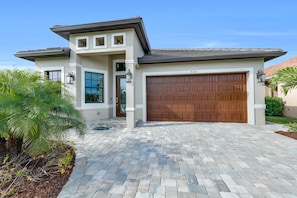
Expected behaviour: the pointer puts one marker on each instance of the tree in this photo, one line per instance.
(287, 77)
(34, 110)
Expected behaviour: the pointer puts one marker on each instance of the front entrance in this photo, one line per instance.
(121, 96)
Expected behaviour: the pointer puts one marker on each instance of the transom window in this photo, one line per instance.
(94, 87)
(118, 39)
(100, 41)
(53, 75)
(120, 67)
(82, 42)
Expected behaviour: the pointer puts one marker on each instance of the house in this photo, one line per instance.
(115, 73)
(290, 99)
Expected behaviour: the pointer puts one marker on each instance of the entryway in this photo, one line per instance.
(121, 96)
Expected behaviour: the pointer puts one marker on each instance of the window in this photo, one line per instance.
(100, 41)
(120, 67)
(82, 42)
(118, 40)
(94, 87)
(53, 75)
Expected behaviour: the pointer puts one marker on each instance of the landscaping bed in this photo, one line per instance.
(36, 176)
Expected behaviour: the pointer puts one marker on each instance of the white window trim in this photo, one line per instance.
(87, 42)
(93, 105)
(250, 86)
(116, 73)
(99, 36)
(118, 34)
(61, 68)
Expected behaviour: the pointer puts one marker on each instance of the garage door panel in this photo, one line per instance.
(210, 97)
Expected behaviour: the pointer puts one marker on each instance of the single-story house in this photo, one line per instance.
(114, 72)
(290, 99)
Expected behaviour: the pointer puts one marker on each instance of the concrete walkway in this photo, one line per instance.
(184, 160)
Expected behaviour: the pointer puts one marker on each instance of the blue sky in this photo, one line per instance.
(24, 25)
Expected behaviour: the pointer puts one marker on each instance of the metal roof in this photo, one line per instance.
(44, 53)
(206, 54)
(136, 23)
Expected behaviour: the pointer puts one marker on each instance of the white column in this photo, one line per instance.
(130, 96)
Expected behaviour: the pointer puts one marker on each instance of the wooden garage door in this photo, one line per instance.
(206, 98)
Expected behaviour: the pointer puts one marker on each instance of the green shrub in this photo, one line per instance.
(274, 106)
(292, 127)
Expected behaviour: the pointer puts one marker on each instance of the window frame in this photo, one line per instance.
(85, 105)
(46, 73)
(118, 34)
(99, 88)
(56, 68)
(80, 38)
(99, 36)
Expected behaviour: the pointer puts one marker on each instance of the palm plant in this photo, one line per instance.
(33, 110)
(287, 77)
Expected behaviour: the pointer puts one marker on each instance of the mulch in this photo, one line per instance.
(288, 134)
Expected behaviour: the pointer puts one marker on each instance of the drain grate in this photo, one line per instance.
(101, 128)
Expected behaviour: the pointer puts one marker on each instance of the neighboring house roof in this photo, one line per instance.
(44, 53)
(135, 23)
(269, 71)
(203, 54)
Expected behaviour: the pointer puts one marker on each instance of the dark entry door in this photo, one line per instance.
(121, 96)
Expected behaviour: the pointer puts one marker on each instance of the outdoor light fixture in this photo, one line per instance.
(260, 76)
(70, 78)
(128, 76)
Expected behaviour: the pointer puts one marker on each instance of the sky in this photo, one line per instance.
(25, 25)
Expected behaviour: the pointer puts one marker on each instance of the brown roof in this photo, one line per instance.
(292, 62)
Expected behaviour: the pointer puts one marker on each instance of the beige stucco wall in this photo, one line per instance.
(103, 59)
(256, 91)
(290, 109)
(93, 59)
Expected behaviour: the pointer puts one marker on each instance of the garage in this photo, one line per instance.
(197, 98)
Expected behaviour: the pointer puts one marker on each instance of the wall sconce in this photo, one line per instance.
(70, 78)
(260, 76)
(128, 76)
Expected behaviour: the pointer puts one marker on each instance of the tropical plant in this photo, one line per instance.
(274, 106)
(287, 77)
(34, 110)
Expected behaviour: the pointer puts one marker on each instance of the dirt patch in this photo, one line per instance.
(288, 134)
(47, 185)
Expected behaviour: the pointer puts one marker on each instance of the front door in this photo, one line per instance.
(121, 96)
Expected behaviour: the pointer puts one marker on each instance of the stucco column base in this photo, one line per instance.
(130, 118)
(260, 114)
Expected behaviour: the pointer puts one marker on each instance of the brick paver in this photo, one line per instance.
(184, 160)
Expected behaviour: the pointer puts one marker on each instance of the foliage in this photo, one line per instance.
(280, 119)
(35, 110)
(25, 168)
(292, 127)
(287, 77)
(274, 106)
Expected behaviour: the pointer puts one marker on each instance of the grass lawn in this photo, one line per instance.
(280, 119)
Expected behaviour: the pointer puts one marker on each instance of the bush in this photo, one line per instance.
(292, 127)
(274, 106)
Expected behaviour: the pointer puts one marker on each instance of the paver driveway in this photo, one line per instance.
(185, 160)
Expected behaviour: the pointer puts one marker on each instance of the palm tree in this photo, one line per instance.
(33, 110)
(287, 77)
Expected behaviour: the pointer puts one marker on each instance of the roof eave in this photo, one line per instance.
(135, 23)
(267, 56)
(34, 54)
